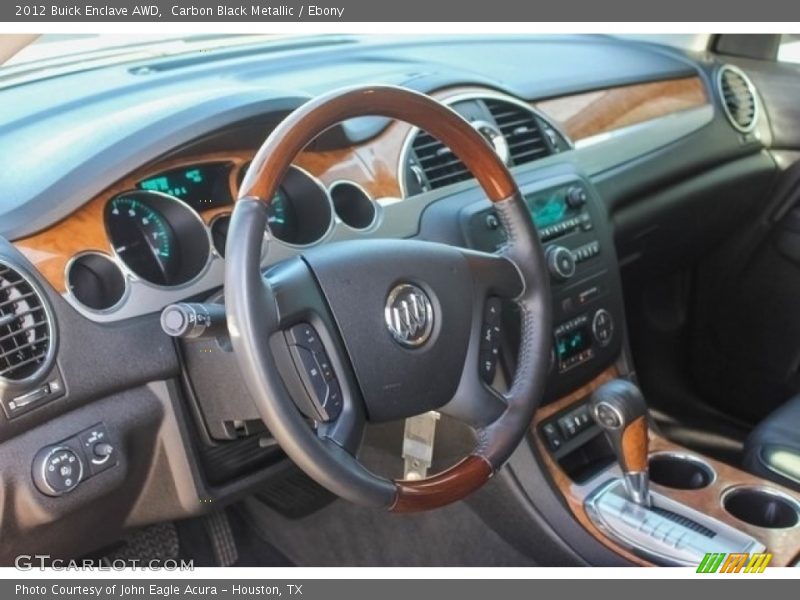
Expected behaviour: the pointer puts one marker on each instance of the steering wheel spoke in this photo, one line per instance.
(476, 404)
(495, 275)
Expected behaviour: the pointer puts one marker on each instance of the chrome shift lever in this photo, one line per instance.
(619, 408)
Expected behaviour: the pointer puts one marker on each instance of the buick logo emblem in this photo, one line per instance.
(409, 315)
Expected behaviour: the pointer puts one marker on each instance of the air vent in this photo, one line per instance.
(738, 98)
(440, 166)
(25, 334)
(527, 137)
(521, 130)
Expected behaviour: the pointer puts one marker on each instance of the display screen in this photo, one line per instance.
(200, 186)
(547, 209)
(572, 343)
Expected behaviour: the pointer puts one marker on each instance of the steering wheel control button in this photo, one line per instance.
(316, 372)
(560, 263)
(97, 447)
(491, 312)
(306, 336)
(603, 327)
(57, 470)
(490, 339)
(409, 315)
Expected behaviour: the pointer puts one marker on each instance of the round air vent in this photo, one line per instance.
(25, 330)
(738, 98)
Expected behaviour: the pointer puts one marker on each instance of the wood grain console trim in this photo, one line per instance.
(582, 116)
(784, 544)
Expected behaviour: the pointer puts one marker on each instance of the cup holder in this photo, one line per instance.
(680, 471)
(762, 507)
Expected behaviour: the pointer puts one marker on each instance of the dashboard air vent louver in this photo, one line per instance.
(521, 130)
(437, 161)
(518, 134)
(25, 335)
(738, 98)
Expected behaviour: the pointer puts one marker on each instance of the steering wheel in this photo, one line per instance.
(399, 322)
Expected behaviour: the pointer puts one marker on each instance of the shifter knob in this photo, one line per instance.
(619, 408)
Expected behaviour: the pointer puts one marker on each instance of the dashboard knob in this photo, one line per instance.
(603, 327)
(102, 450)
(560, 263)
(57, 470)
(576, 197)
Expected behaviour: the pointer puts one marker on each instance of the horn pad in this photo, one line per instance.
(404, 310)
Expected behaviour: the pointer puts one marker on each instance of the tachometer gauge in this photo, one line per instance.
(159, 238)
(301, 212)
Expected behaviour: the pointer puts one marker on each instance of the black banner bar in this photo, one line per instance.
(728, 587)
(401, 11)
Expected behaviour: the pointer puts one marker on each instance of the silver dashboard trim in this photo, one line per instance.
(750, 88)
(115, 261)
(455, 99)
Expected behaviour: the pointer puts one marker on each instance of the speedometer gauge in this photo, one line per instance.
(159, 238)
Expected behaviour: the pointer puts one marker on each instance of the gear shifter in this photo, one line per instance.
(652, 523)
(619, 408)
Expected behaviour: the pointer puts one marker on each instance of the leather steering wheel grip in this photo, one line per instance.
(249, 312)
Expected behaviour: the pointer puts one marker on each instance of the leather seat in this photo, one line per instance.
(772, 450)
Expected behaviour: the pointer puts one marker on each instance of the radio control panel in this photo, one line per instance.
(581, 260)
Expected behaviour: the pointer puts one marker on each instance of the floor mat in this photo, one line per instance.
(343, 534)
(156, 542)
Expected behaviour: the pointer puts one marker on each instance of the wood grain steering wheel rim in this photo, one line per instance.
(496, 440)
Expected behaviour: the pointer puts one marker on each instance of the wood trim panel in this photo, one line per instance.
(583, 115)
(83, 230)
(374, 165)
(784, 544)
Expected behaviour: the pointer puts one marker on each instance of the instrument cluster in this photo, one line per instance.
(158, 235)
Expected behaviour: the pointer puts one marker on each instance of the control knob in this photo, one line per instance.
(57, 470)
(576, 197)
(560, 263)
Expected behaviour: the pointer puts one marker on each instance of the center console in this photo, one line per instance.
(638, 493)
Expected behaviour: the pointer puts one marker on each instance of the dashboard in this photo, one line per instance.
(159, 234)
(135, 217)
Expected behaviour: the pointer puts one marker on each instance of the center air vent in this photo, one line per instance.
(521, 129)
(527, 136)
(25, 331)
(738, 98)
